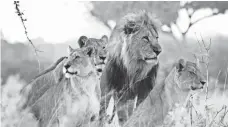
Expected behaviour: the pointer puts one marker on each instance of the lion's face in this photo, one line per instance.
(189, 76)
(136, 38)
(143, 46)
(78, 63)
(99, 48)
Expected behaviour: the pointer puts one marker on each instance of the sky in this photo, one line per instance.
(54, 20)
(57, 21)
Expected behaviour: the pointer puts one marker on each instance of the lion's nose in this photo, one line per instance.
(67, 66)
(102, 57)
(99, 70)
(202, 82)
(157, 52)
(157, 49)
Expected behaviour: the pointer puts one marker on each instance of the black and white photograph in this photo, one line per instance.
(68, 63)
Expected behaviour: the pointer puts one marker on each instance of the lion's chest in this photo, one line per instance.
(81, 102)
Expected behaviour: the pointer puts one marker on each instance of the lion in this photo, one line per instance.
(132, 64)
(183, 79)
(99, 46)
(69, 95)
(84, 93)
(99, 53)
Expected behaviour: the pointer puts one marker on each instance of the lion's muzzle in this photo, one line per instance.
(69, 71)
(152, 59)
(199, 86)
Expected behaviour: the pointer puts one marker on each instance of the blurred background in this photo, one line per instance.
(53, 25)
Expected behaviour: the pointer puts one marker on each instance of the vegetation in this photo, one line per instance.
(208, 108)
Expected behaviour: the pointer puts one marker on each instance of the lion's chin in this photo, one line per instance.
(67, 75)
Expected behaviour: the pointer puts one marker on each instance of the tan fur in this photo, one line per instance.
(178, 84)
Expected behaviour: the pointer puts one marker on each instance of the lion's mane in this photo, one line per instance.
(123, 74)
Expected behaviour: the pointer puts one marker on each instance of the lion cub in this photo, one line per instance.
(184, 78)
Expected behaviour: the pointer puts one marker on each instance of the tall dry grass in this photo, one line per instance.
(209, 108)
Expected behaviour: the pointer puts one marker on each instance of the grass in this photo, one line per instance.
(206, 109)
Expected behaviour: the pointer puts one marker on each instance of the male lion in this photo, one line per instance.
(69, 95)
(132, 64)
(184, 78)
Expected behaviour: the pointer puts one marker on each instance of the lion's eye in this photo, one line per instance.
(192, 73)
(131, 24)
(76, 57)
(145, 38)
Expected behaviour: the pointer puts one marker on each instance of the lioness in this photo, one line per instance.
(71, 92)
(82, 97)
(131, 68)
(184, 78)
(100, 51)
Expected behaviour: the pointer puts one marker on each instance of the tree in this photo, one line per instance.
(115, 10)
(192, 8)
(165, 10)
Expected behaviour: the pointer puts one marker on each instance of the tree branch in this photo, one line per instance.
(99, 18)
(200, 19)
(190, 25)
(20, 14)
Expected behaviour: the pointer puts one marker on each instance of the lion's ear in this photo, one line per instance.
(180, 65)
(130, 28)
(82, 41)
(104, 38)
(70, 50)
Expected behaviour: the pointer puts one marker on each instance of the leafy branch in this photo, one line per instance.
(23, 20)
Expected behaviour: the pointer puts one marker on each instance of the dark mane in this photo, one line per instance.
(115, 75)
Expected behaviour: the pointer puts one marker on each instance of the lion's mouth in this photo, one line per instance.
(69, 74)
(72, 73)
(194, 88)
(101, 63)
(151, 59)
